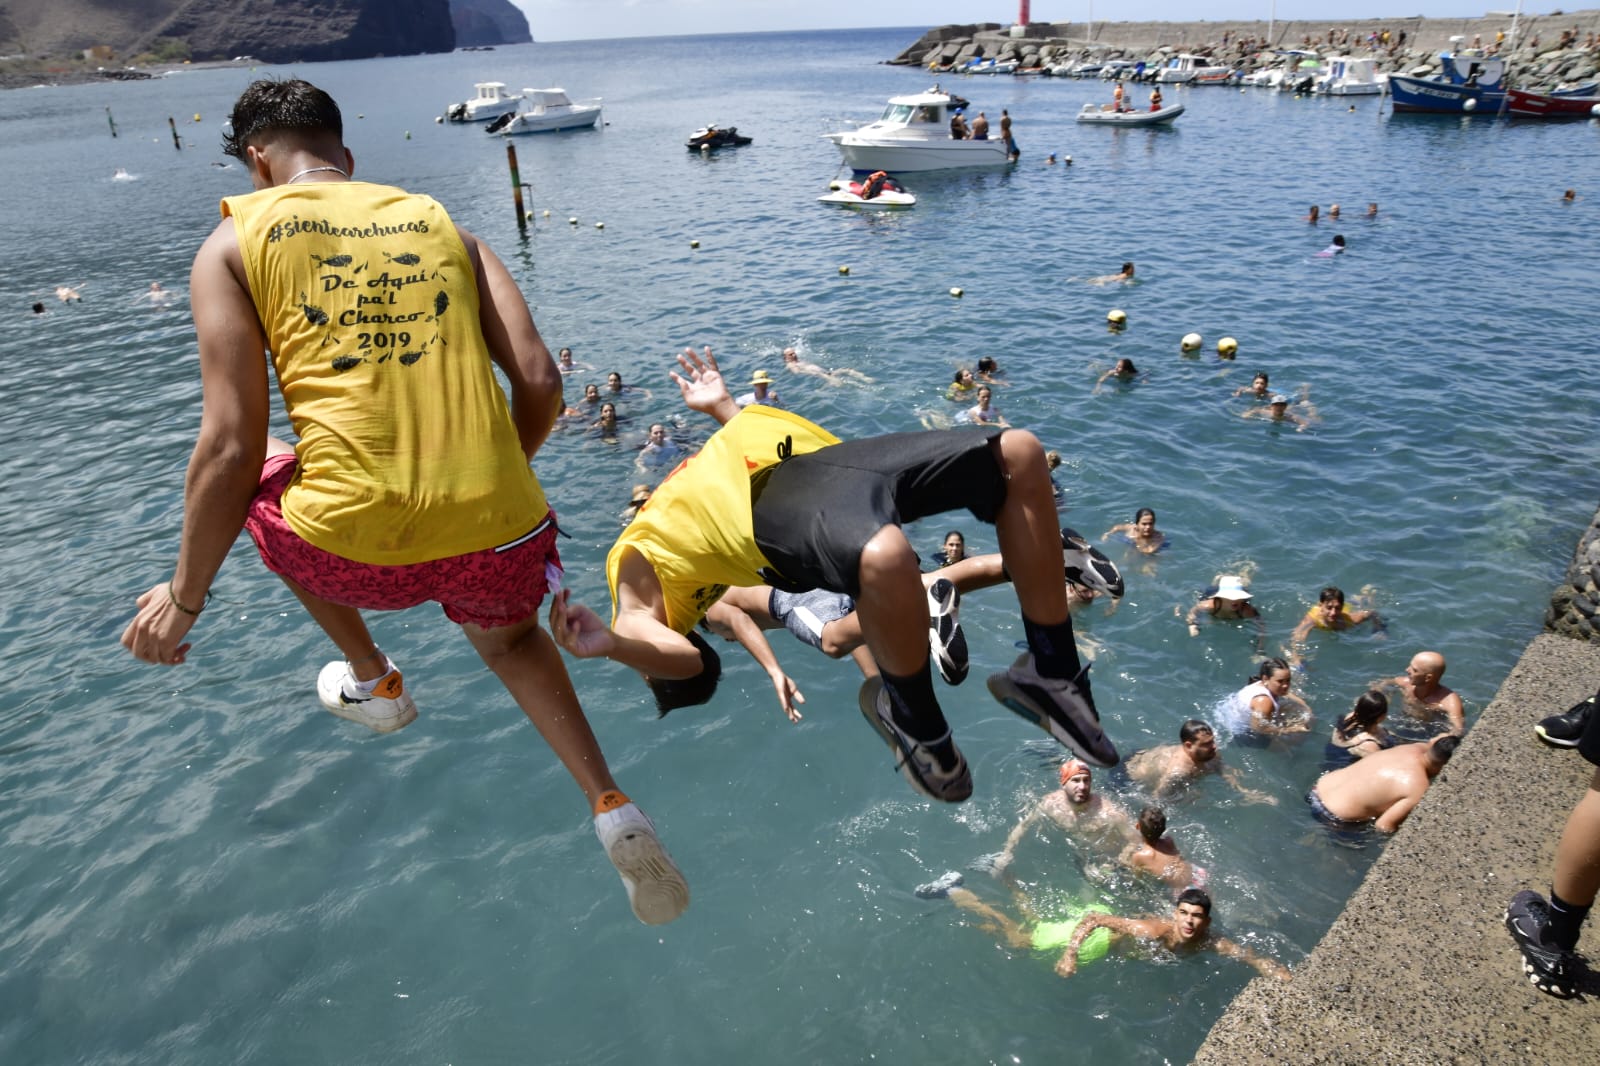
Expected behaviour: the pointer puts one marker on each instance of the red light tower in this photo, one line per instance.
(1022, 13)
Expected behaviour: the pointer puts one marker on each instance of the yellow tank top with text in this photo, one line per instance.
(696, 531)
(407, 451)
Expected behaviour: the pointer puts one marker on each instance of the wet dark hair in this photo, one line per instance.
(956, 533)
(1126, 267)
(273, 106)
(1141, 512)
(1152, 824)
(956, 378)
(1338, 239)
(1331, 594)
(671, 694)
(1196, 896)
(1370, 708)
(1125, 366)
(1445, 747)
(1261, 376)
(1269, 667)
(987, 364)
(1192, 729)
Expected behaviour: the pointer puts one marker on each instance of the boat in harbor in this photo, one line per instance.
(913, 134)
(1350, 76)
(1186, 67)
(491, 102)
(713, 137)
(1108, 115)
(546, 111)
(1525, 104)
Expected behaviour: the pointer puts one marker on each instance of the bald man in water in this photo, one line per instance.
(1425, 696)
(1382, 788)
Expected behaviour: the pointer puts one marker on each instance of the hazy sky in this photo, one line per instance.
(564, 20)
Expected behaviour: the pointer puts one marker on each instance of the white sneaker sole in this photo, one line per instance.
(656, 889)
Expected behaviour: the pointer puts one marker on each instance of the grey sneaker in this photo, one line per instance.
(1062, 708)
(656, 889)
(386, 708)
(941, 888)
(1088, 566)
(912, 757)
(946, 642)
(1549, 968)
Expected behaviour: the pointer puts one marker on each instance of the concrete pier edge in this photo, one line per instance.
(1418, 968)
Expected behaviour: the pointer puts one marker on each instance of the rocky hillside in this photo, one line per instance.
(481, 22)
(270, 30)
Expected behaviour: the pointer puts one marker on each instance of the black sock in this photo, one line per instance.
(916, 711)
(1054, 650)
(1566, 922)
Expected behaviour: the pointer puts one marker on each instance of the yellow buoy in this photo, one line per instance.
(573, 221)
(197, 116)
(1227, 347)
(844, 270)
(1117, 317)
(528, 216)
(1191, 342)
(599, 225)
(547, 212)
(694, 244)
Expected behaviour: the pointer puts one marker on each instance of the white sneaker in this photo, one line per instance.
(946, 642)
(656, 889)
(386, 708)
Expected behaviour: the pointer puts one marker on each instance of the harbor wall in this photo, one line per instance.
(1575, 606)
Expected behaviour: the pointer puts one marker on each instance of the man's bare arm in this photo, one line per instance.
(1264, 966)
(753, 640)
(225, 466)
(1390, 820)
(516, 347)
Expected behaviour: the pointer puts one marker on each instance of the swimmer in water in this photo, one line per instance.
(1165, 769)
(984, 412)
(1074, 807)
(1333, 212)
(1141, 532)
(1372, 209)
(659, 449)
(69, 293)
(608, 421)
(963, 387)
(1336, 248)
(1360, 732)
(1277, 410)
(989, 370)
(1156, 854)
(1426, 697)
(1188, 931)
(566, 365)
(1258, 388)
(1314, 214)
(837, 376)
(954, 548)
(1123, 371)
(1125, 274)
(1332, 613)
(615, 386)
(1230, 602)
(157, 296)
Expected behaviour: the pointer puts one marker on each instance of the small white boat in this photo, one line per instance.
(491, 102)
(913, 135)
(1186, 67)
(546, 111)
(1350, 77)
(1107, 115)
(848, 194)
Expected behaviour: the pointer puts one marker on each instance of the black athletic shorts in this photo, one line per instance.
(815, 512)
(1589, 742)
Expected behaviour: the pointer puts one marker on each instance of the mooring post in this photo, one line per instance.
(111, 121)
(516, 188)
(173, 126)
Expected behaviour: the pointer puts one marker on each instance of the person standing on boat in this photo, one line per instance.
(1012, 153)
(1155, 98)
(980, 127)
(411, 479)
(1116, 98)
(958, 127)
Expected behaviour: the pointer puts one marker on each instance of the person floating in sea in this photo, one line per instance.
(963, 386)
(774, 499)
(984, 412)
(1188, 931)
(1314, 214)
(70, 293)
(1123, 371)
(1381, 789)
(1333, 212)
(426, 496)
(1276, 409)
(1425, 695)
(1259, 388)
(1165, 769)
(1336, 248)
(1264, 706)
(1156, 853)
(1228, 601)
(761, 392)
(837, 376)
(565, 363)
(1125, 274)
(1360, 732)
(1332, 613)
(1075, 808)
(1141, 532)
(615, 386)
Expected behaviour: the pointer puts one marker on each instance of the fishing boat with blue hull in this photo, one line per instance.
(1466, 84)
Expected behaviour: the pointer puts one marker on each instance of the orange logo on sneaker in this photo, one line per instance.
(609, 801)
(390, 687)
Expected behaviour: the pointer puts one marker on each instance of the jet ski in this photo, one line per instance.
(878, 191)
(713, 137)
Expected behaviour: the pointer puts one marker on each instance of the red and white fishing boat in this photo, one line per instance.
(1524, 104)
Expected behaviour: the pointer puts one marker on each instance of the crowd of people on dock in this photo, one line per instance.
(770, 522)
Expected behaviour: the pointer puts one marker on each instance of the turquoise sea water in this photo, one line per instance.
(200, 865)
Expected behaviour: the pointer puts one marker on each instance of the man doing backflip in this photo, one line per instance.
(410, 481)
(773, 499)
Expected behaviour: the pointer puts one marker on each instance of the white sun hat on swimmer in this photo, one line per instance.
(1230, 587)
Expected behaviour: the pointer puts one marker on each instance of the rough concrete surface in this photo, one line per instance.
(1419, 968)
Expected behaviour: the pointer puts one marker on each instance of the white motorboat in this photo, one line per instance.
(1108, 115)
(1351, 77)
(491, 102)
(914, 134)
(1186, 67)
(546, 111)
(889, 194)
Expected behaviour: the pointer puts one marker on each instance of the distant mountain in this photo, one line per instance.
(481, 22)
(271, 30)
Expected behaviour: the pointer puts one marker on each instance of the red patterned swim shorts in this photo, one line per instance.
(489, 588)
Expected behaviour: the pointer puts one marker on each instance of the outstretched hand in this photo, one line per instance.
(157, 628)
(578, 629)
(788, 694)
(703, 389)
